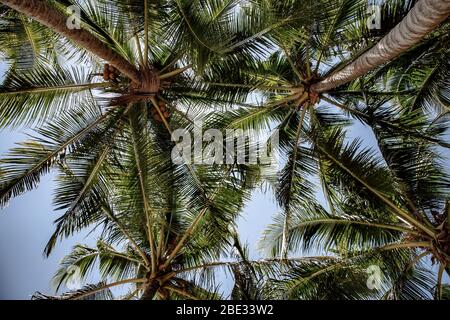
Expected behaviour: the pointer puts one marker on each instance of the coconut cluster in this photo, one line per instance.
(163, 109)
(110, 73)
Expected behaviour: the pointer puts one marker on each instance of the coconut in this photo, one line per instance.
(106, 72)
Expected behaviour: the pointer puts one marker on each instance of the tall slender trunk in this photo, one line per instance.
(150, 290)
(43, 12)
(422, 19)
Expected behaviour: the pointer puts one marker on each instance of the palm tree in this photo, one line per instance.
(338, 27)
(192, 275)
(284, 78)
(49, 90)
(133, 122)
(165, 64)
(316, 277)
(53, 18)
(423, 18)
(23, 41)
(157, 227)
(401, 205)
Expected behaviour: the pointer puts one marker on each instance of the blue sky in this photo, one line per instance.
(25, 227)
(27, 223)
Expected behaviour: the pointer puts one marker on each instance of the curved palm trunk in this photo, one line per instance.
(43, 12)
(422, 19)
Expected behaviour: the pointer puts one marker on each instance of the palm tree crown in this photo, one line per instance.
(104, 99)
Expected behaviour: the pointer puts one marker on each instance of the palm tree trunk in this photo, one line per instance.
(150, 290)
(43, 12)
(422, 19)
